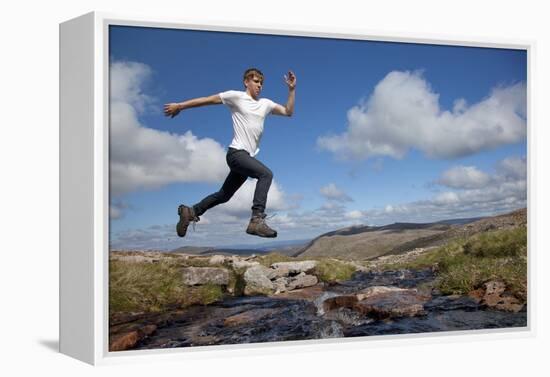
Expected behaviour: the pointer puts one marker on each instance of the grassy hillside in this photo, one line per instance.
(369, 244)
(364, 243)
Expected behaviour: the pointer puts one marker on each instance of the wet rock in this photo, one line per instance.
(449, 303)
(248, 317)
(347, 317)
(496, 297)
(116, 319)
(378, 290)
(124, 341)
(301, 281)
(381, 302)
(205, 275)
(345, 301)
(127, 340)
(391, 304)
(257, 281)
(295, 267)
(311, 294)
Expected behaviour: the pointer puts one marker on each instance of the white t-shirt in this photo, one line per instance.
(248, 117)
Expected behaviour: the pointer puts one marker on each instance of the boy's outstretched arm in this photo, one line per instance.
(288, 109)
(173, 109)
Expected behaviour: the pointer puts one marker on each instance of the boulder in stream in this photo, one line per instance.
(381, 302)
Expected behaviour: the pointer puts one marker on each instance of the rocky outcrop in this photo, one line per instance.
(301, 280)
(127, 339)
(281, 277)
(493, 294)
(238, 264)
(205, 275)
(292, 268)
(248, 317)
(257, 281)
(381, 302)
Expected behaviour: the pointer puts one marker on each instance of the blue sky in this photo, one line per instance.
(382, 132)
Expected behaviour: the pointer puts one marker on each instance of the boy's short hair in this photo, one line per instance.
(250, 72)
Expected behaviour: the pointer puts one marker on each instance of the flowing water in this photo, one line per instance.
(267, 319)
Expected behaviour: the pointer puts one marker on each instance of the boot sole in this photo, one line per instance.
(261, 235)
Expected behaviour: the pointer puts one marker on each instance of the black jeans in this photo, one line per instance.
(242, 166)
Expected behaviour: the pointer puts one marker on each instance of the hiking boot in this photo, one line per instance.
(186, 214)
(258, 227)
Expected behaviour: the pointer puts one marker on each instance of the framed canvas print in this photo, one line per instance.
(226, 187)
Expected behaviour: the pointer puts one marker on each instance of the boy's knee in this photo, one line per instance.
(267, 174)
(223, 197)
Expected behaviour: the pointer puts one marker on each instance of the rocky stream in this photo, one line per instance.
(370, 303)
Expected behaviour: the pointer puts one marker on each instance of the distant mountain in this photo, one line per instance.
(368, 242)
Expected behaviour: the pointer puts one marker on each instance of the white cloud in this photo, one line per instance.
(117, 209)
(146, 158)
(354, 215)
(404, 112)
(446, 198)
(464, 177)
(239, 206)
(115, 212)
(476, 194)
(513, 168)
(331, 192)
(126, 82)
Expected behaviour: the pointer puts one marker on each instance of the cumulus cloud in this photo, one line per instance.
(117, 209)
(331, 192)
(239, 207)
(475, 193)
(354, 215)
(512, 168)
(146, 158)
(464, 177)
(403, 112)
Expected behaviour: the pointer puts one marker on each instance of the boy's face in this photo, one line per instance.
(254, 85)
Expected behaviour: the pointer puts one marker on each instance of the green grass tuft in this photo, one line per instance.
(330, 270)
(499, 244)
(268, 259)
(154, 287)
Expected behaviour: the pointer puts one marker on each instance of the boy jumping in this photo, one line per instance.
(248, 112)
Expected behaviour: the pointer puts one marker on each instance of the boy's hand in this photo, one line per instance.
(290, 80)
(172, 109)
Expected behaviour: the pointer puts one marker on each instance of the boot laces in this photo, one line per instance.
(263, 217)
(195, 220)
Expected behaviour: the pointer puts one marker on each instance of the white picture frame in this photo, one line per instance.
(84, 186)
